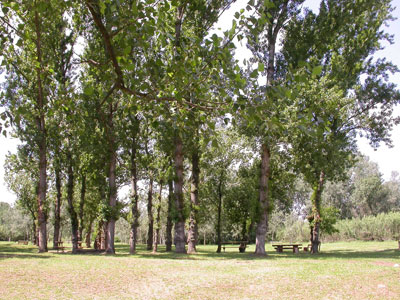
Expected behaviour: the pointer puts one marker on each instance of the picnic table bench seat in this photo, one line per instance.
(281, 247)
(60, 246)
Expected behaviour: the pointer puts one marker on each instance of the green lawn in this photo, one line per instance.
(347, 270)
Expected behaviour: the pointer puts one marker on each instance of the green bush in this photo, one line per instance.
(370, 228)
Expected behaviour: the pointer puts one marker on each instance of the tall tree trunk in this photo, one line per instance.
(110, 249)
(219, 241)
(262, 224)
(316, 213)
(81, 206)
(89, 233)
(168, 242)
(71, 209)
(179, 238)
(34, 235)
(158, 219)
(150, 214)
(57, 208)
(194, 203)
(103, 236)
(41, 127)
(133, 238)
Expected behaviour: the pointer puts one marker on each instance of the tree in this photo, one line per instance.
(266, 100)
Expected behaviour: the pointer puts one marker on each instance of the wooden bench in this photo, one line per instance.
(281, 247)
(241, 245)
(23, 242)
(60, 246)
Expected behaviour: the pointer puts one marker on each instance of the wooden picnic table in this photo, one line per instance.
(60, 246)
(281, 247)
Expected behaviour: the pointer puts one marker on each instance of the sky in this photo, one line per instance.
(386, 158)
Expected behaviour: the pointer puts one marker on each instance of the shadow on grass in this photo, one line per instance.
(271, 255)
(10, 250)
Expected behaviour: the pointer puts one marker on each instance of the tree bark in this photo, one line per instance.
(81, 206)
(194, 203)
(158, 220)
(219, 240)
(168, 242)
(57, 208)
(150, 214)
(34, 234)
(316, 213)
(103, 236)
(88, 234)
(71, 209)
(179, 238)
(41, 127)
(262, 224)
(110, 249)
(133, 238)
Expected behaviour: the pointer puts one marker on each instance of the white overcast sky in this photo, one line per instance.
(387, 158)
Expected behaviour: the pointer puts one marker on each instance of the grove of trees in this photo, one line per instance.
(149, 96)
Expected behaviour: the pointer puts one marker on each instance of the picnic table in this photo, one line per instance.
(60, 246)
(281, 247)
(235, 244)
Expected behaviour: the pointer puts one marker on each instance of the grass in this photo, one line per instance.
(346, 270)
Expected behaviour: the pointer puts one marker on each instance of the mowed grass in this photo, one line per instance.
(346, 270)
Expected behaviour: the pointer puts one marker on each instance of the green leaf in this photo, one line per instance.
(89, 90)
(261, 67)
(268, 4)
(316, 71)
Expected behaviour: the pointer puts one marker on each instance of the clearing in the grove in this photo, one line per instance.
(345, 270)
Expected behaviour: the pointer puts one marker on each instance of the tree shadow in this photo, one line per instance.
(23, 256)
(10, 250)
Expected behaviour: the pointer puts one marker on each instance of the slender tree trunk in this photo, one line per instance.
(179, 204)
(110, 249)
(150, 214)
(41, 127)
(34, 235)
(37, 235)
(249, 232)
(103, 236)
(219, 241)
(262, 224)
(158, 220)
(316, 211)
(194, 203)
(81, 207)
(57, 209)
(168, 241)
(89, 233)
(133, 239)
(71, 209)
